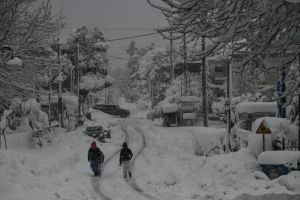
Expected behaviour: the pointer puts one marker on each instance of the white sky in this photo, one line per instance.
(114, 14)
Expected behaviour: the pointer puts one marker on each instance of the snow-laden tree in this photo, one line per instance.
(253, 29)
(292, 83)
(129, 84)
(154, 70)
(93, 61)
(27, 27)
(247, 80)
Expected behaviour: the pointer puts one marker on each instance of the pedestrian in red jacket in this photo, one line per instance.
(96, 158)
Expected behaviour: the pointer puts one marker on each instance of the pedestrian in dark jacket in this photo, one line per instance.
(125, 157)
(96, 158)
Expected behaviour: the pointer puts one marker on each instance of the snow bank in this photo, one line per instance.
(169, 169)
(279, 157)
(255, 144)
(290, 181)
(254, 107)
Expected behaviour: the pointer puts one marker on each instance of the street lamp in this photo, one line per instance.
(6, 57)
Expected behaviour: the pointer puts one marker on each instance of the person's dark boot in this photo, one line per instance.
(129, 175)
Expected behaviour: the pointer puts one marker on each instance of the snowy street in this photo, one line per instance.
(164, 167)
(149, 100)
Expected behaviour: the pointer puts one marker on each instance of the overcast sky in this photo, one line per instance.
(133, 17)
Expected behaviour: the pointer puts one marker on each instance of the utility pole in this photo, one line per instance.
(60, 107)
(105, 95)
(71, 80)
(185, 65)
(181, 86)
(49, 97)
(229, 105)
(204, 86)
(78, 80)
(299, 111)
(171, 57)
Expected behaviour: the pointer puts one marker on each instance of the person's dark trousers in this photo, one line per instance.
(95, 166)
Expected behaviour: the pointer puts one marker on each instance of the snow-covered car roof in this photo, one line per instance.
(278, 157)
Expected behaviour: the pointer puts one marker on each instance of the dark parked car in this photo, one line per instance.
(112, 110)
(95, 132)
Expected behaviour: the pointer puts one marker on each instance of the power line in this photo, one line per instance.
(131, 37)
(108, 40)
(113, 29)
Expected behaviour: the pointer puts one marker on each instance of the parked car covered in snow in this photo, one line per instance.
(106, 129)
(95, 132)
(111, 109)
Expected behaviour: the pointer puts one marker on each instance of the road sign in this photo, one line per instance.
(263, 129)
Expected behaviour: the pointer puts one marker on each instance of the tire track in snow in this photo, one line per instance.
(132, 182)
(96, 180)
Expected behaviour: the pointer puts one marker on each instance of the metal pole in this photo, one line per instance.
(299, 118)
(204, 85)
(4, 136)
(185, 65)
(105, 100)
(299, 111)
(60, 108)
(71, 81)
(151, 93)
(229, 104)
(78, 80)
(263, 142)
(189, 84)
(49, 97)
(171, 57)
(181, 86)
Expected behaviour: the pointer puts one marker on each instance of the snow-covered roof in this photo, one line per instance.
(189, 98)
(69, 100)
(169, 108)
(189, 116)
(278, 157)
(256, 107)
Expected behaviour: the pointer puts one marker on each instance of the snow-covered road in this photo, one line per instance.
(120, 188)
(164, 167)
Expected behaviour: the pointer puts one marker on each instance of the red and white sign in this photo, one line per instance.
(263, 129)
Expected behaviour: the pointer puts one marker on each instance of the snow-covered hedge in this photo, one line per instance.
(208, 141)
